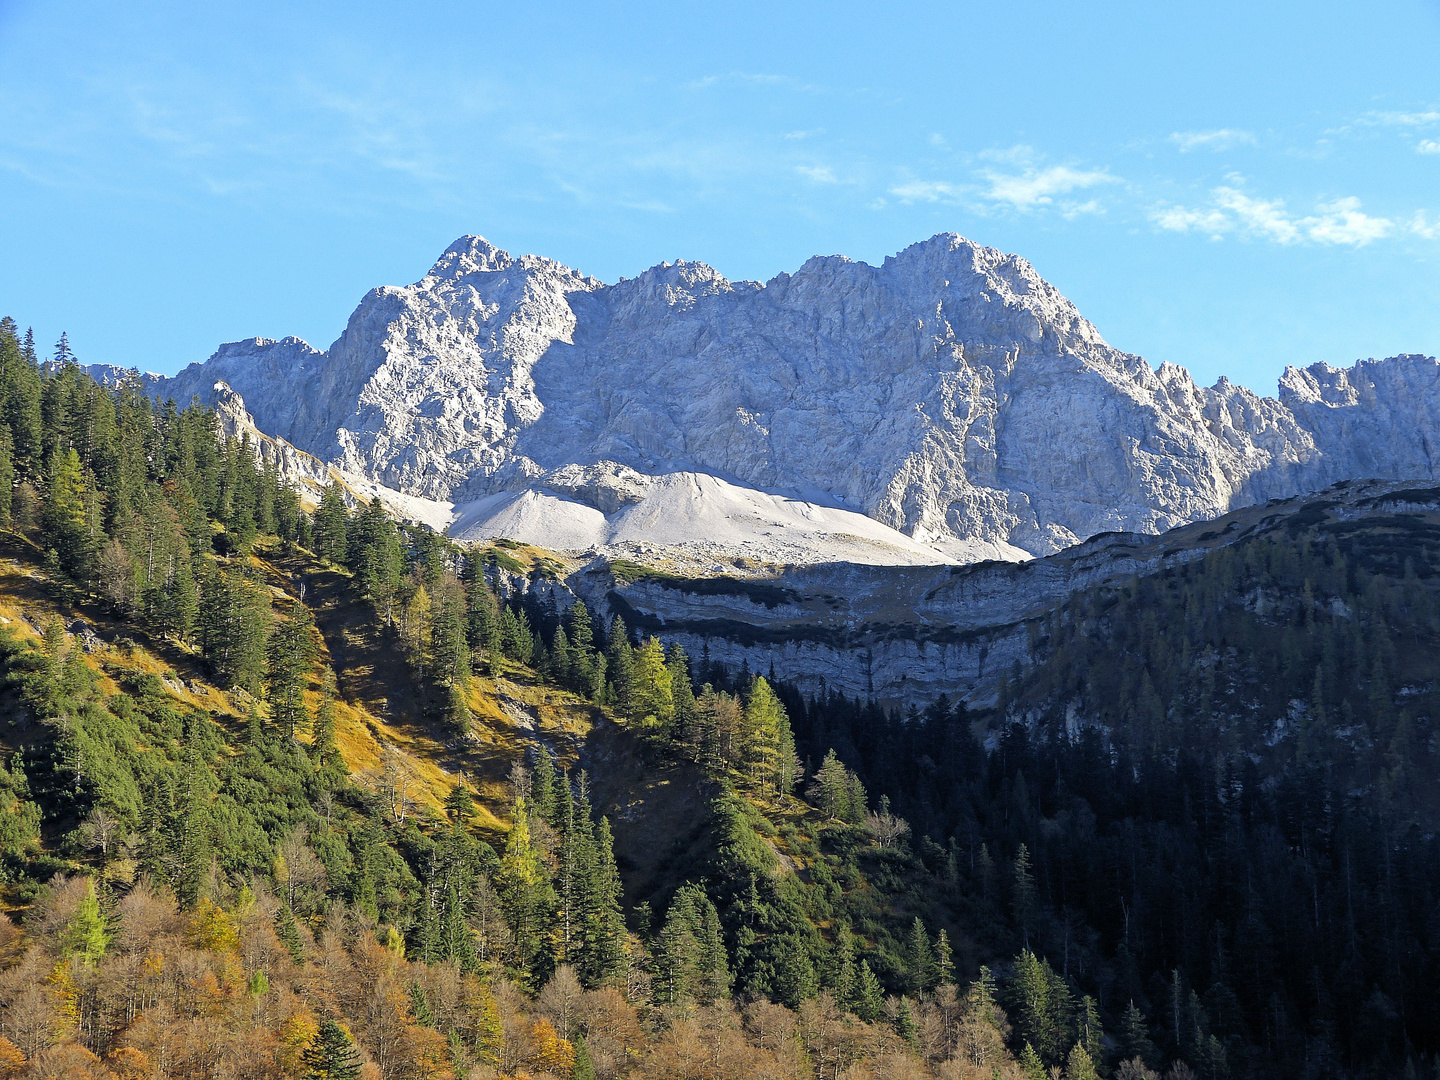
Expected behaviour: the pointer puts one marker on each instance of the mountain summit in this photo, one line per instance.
(949, 404)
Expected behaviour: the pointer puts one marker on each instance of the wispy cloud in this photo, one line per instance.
(1428, 146)
(754, 78)
(1179, 219)
(1038, 187)
(820, 174)
(927, 191)
(1219, 139)
(1422, 226)
(1339, 222)
(1403, 119)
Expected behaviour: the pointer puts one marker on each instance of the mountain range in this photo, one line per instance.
(948, 405)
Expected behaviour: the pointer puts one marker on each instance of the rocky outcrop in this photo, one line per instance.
(950, 395)
(904, 635)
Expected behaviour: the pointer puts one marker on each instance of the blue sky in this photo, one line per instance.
(1233, 187)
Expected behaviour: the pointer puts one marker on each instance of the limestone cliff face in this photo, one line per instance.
(949, 394)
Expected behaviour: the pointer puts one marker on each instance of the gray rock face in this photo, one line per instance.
(949, 393)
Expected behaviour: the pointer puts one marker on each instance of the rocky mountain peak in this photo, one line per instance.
(951, 395)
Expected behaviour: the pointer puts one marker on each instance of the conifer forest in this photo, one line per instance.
(293, 789)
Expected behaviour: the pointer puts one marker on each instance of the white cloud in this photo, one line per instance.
(1231, 210)
(1428, 146)
(1071, 210)
(926, 191)
(1403, 119)
(820, 174)
(1179, 219)
(1423, 227)
(1341, 222)
(1258, 215)
(1038, 187)
(1219, 139)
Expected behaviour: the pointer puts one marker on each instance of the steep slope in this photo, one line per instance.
(905, 634)
(949, 394)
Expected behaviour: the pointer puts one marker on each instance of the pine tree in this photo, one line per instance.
(331, 523)
(1034, 1009)
(619, 665)
(289, 934)
(604, 957)
(682, 692)
(1080, 1065)
(1031, 1065)
(292, 654)
(905, 1025)
(830, 790)
(586, 667)
(234, 625)
(1133, 1039)
(584, 1069)
(921, 972)
(449, 650)
(869, 998)
(944, 959)
(546, 797)
(331, 1054)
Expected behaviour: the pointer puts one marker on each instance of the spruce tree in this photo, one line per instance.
(619, 665)
(604, 958)
(292, 654)
(905, 1025)
(331, 1054)
(330, 523)
(682, 692)
(1080, 1065)
(869, 998)
(920, 969)
(1133, 1039)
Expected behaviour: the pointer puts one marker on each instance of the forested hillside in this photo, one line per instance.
(295, 791)
(298, 791)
